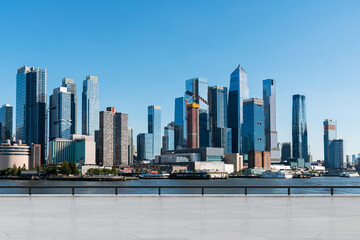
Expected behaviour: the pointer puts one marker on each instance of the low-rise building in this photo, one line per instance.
(14, 154)
(235, 159)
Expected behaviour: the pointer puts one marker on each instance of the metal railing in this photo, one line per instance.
(116, 188)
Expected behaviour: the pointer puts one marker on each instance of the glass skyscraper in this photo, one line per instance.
(60, 114)
(329, 135)
(71, 87)
(238, 92)
(220, 134)
(180, 123)
(271, 142)
(337, 154)
(31, 111)
(198, 88)
(154, 127)
(169, 137)
(299, 128)
(6, 121)
(253, 126)
(145, 147)
(90, 106)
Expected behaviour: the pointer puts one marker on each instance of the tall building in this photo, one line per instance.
(71, 87)
(220, 135)
(60, 114)
(197, 92)
(238, 92)
(35, 157)
(337, 154)
(271, 140)
(145, 147)
(329, 135)
(180, 123)
(169, 137)
(192, 125)
(154, 127)
(90, 106)
(131, 149)
(254, 134)
(113, 138)
(286, 151)
(6, 121)
(31, 111)
(299, 128)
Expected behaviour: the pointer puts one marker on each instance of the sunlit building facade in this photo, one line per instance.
(90, 106)
(299, 128)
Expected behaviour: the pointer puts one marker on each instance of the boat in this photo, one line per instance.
(277, 174)
(349, 174)
(154, 175)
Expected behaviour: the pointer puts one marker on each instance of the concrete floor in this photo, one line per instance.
(176, 217)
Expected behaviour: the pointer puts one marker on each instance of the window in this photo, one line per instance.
(259, 123)
(259, 139)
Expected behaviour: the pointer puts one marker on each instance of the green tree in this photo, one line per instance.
(65, 168)
(73, 168)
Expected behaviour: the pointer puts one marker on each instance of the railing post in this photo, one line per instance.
(116, 191)
(332, 191)
(29, 191)
(73, 191)
(159, 191)
(245, 191)
(202, 191)
(288, 191)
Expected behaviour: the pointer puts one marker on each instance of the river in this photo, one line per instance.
(317, 181)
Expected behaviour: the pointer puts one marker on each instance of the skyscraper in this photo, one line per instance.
(337, 154)
(192, 125)
(31, 112)
(197, 89)
(113, 138)
(238, 92)
(131, 149)
(269, 96)
(145, 147)
(154, 127)
(71, 87)
(60, 114)
(180, 123)
(254, 134)
(6, 121)
(169, 137)
(286, 151)
(220, 135)
(90, 106)
(329, 135)
(299, 128)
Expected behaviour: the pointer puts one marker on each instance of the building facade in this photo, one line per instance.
(113, 138)
(197, 92)
(330, 134)
(131, 148)
(14, 154)
(220, 135)
(238, 92)
(71, 87)
(299, 128)
(180, 123)
(169, 137)
(154, 127)
(90, 106)
(286, 151)
(145, 147)
(271, 139)
(6, 122)
(337, 154)
(60, 122)
(192, 125)
(31, 110)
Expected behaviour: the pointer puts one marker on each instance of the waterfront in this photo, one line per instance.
(319, 181)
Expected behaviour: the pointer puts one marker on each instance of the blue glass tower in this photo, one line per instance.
(198, 88)
(329, 135)
(238, 92)
(145, 147)
(71, 87)
(169, 137)
(6, 121)
(180, 123)
(90, 106)
(31, 113)
(60, 114)
(154, 127)
(253, 126)
(299, 128)
(271, 142)
(220, 134)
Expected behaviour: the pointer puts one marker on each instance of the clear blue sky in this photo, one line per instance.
(143, 51)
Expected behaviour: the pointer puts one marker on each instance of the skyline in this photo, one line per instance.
(283, 57)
